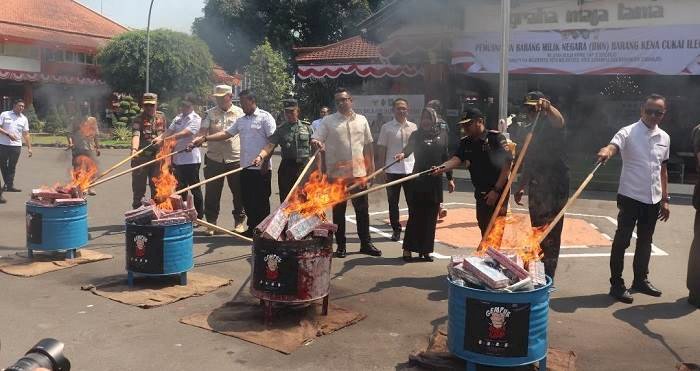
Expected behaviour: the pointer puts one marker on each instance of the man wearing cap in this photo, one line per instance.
(294, 139)
(486, 155)
(346, 138)
(183, 128)
(255, 129)
(222, 157)
(545, 174)
(146, 126)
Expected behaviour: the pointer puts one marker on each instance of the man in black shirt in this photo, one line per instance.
(545, 174)
(486, 155)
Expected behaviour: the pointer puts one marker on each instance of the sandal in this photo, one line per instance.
(407, 256)
(426, 257)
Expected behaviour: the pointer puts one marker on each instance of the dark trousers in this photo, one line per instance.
(287, 174)
(256, 197)
(212, 195)
(420, 229)
(186, 176)
(392, 195)
(9, 155)
(484, 211)
(633, 213)
(361, 206)
(141, 177)
(546, 197)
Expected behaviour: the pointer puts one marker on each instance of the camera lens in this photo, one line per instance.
(47, 353)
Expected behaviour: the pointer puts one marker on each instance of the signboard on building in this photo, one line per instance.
(378, 108)
(663, 50)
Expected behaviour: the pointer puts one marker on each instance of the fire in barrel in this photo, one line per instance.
(57, 216)
(159, 232)
(498, 304)
(292, 247)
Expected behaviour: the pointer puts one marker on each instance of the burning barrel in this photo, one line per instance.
(498, 328)
(159, 250)
(291, 271)
(56, 226)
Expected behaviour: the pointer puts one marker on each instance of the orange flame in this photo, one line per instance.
(83, 173)
(316, 195)
(524, 244)
(165, 182)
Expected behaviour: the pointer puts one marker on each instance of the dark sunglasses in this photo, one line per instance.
(654, 112)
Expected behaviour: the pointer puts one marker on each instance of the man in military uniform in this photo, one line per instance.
(148, 125)
(222, 157)
(486, 155)
(294, 138)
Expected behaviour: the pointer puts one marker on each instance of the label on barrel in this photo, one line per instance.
(34, 230)
(276, 271)
(144, 250)
(497, 329)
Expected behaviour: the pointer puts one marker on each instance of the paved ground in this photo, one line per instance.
(404, 302)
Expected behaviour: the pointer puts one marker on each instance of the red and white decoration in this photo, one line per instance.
(362, 70)
(659, 50)
(40, 77)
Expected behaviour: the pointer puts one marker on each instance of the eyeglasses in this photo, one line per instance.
(342, 100)
(654, 112)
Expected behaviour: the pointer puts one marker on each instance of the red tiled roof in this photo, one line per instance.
(56, 22)
(355, 48)
(220, 75)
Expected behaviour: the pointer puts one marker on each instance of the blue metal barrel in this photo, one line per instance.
(56, 228)
(498, 328)
(159, 250)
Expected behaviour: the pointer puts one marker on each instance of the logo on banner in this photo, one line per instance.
(140, 241)
(272, 262)
(498, 319)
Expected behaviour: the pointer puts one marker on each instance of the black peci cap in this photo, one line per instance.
(290, 103)
(471, 114)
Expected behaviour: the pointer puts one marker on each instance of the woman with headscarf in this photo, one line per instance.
(429, 145)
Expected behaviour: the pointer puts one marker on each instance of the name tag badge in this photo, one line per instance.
(256, 126)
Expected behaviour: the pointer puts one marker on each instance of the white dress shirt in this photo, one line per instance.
(643, 151)
(345, 138)
(253, 130)
(13, 123)
(191, 123)
(316, 123)
(394, 136)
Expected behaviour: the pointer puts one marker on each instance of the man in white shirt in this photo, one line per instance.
(182, 129)
(393, 137)
(14, 127)
(642, 195)
(346, 140)
(254, 130)
(222, 157)
(321, 114)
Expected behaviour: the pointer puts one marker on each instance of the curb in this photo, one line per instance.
(63, 145)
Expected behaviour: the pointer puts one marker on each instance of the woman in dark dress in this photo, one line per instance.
(428, 144)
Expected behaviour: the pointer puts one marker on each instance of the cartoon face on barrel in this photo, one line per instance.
(498, 318)
(140, 241)
(271, 268)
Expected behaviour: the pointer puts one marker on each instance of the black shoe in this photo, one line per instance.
(369, 249)
(340, 251)
(248, 233)
(645, 287)
(12, 189)
(693, 300)
(396, 236)
(621, 293)
(426, 257)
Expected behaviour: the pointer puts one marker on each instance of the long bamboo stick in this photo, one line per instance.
(571, 200)
(205, 181)
(127, 171)
(366, 179)
(395, 182)
(301, 176)
(122, 162)
(511, 178)
(223, 230)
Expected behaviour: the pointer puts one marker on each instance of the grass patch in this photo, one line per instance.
(61, 140)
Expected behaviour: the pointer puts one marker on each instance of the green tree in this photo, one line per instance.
(179, 63)
(232, 28)
(269, 76)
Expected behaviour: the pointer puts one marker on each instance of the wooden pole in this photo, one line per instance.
(573, 198)
(509, 183)
(122, 162)
(371, 176)
(223, 230)
(301, 176)
(127, 171)
(210, 179)
(395, 182)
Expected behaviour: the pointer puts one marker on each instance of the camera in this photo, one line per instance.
(47, 353)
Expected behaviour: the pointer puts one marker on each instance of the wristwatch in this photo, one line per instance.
(667, 199)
